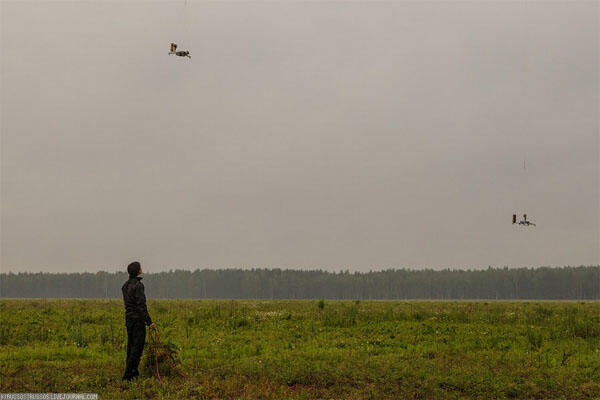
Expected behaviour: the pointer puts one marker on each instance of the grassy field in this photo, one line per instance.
(310, 349)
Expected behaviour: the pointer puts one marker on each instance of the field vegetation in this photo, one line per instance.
(274, 349)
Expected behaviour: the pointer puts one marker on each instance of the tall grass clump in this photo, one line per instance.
(157, 354)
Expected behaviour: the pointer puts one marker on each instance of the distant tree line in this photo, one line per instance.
(493, 283)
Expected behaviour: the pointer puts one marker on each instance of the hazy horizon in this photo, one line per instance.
(123, 269)
(332, 135)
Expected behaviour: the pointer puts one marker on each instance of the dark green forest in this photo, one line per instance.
(577, 283)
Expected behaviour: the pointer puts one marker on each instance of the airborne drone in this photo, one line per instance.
(179, 53)
(523, 221)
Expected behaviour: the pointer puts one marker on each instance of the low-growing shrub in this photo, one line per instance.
(156, 353)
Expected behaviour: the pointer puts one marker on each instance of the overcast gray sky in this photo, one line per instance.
(358, 135)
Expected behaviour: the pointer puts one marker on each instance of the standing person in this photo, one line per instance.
(136, 317)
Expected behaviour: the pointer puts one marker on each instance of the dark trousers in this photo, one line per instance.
(136, 337)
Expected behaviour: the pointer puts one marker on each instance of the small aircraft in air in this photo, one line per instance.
(523, 221)
(179, 53)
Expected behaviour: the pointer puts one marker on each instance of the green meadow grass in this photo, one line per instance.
(310, 350)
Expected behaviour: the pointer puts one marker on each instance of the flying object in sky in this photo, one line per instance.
(523, 221)
(179, 53)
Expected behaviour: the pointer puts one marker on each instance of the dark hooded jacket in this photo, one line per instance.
(135, 301)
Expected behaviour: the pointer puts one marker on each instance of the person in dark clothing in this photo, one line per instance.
(136, 317)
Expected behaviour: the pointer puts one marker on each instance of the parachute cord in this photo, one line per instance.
(527, 117)
(530, 125)
(185, 25)
(526, 204)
